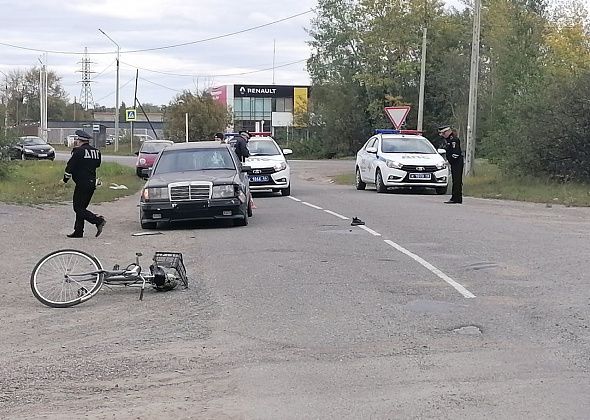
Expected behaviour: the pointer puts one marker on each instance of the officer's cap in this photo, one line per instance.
(83, 135)
(444, 128)
(245, 132)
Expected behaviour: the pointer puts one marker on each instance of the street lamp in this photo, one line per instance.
(117, 93)
(5, 100)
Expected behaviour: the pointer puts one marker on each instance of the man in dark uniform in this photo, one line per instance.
(455, 158)
(241, 145)
(82, 169)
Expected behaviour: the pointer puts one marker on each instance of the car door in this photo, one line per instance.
(369, 161)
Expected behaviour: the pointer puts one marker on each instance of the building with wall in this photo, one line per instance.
(264, 107)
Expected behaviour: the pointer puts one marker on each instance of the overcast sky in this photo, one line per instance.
(70, 26)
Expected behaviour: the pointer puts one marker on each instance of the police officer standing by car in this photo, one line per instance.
(455, 158)
(82, 169)
(241, 145)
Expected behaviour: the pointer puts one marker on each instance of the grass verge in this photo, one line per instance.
(38, 182)
(490, 182)
(124, 149)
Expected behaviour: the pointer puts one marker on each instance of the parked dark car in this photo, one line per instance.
(196, 181)
(147, 154)
(32, 147)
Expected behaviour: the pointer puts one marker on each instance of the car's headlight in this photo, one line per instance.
(154, 194)
(280, 166)
(442, 165)
(28, 151)
(393, 164)
(223, 191)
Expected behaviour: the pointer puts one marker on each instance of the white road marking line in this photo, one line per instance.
(333, 213)
(371, 231)
(312, 205)
(466, 293)
(294, 199)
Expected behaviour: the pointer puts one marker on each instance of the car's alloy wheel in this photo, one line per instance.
(359, 184)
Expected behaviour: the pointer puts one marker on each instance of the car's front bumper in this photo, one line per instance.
(166, 211)
(39, 156)
(399, 178)
(276, 180)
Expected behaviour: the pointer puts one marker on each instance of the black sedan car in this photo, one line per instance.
(32, 147)
(196, 181)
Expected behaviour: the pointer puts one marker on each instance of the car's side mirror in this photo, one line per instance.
(246, 168)
(136, 153)
(287, 151)
(146, 173)
(442, 151)
(371, 150)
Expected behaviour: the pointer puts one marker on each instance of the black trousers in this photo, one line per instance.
(82, 196)
(457, 174)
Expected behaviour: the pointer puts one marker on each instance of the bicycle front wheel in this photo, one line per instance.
(66, 278)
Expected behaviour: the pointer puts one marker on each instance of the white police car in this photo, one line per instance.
(269, 169)
(400, 158)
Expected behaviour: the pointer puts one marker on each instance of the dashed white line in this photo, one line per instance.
(333, 213)
(466, 293)
(313, 206)
(371, 231)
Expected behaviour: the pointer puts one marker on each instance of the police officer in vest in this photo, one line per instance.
(82, 169)
(455, 158)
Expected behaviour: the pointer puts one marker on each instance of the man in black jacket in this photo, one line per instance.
(455, 158)
(82, 169)
(241, 145)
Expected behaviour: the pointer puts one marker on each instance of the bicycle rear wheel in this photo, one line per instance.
(66, 278)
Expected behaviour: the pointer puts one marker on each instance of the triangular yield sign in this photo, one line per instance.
(397, 115)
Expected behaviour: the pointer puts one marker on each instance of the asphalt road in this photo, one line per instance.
(427, 311)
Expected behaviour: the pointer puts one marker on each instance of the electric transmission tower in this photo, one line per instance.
(86, 99)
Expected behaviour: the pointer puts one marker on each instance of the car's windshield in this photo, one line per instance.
(154, 147)
(263, 148)
(194, 160)
(33, 141)
(407, 145)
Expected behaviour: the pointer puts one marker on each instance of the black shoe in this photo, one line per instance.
(75, 235)
(356, 222)
(99, 226)
(453, 202)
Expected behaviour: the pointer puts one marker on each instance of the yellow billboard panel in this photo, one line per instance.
(299, 106)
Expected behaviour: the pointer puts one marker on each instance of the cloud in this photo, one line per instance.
(70, 26)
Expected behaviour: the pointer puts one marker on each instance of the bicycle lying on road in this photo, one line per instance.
(68, 277)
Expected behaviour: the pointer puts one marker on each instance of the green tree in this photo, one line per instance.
(206, 117)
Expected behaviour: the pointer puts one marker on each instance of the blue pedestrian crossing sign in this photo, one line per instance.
(130, 115)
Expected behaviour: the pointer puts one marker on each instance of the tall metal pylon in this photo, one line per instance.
(86, 99)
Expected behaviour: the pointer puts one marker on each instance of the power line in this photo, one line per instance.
(113, 92)
(162, 86)
(103, 70)
(215, 75)
(162, 47)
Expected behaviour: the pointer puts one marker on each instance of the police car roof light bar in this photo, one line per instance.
(391, 131)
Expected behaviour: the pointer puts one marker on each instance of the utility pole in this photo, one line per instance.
(5, 102)
(422, 81)
(43, 91)
(117, 94)
(473, 80)
(186, 125)
(134, 107)
(273, 60)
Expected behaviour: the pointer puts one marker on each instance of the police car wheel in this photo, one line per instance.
(379, 185)
(359, 184)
